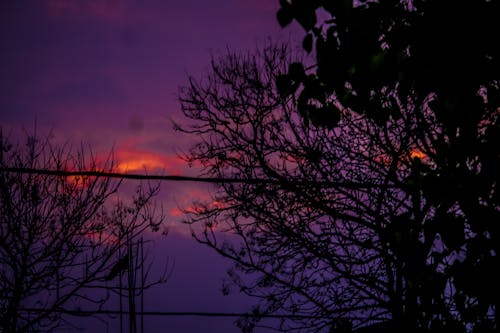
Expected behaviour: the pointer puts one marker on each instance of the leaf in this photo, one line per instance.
(327, 116)
(284, 16)
(452, 231)
(285, 85)
(296, 72)
(377, 62)
(307, 43)
(284, 3)
(338, 7)
(306, 16)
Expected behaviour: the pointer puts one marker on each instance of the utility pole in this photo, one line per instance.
(142, 284)
(131, 285)
(120, 286)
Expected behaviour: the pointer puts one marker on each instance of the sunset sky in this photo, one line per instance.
(106, 73)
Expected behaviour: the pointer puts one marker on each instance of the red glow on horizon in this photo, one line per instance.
(214, 205)
(136, 160)
(416, 153)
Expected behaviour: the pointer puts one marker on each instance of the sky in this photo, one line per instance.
(106, 73)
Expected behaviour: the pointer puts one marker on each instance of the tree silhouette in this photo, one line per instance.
(360, 220)
(61, 236)
(440, 57)
(121, 265)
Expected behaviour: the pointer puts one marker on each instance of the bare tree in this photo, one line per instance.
(336, 234)
(62, 238)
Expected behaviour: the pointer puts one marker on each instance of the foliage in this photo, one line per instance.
(368, 51)
(366, 220)
(61, 236)
(441, 57)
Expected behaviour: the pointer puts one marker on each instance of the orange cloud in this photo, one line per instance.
(136, 160)
(416, 153)
(78, 182)
(140, 164)
(422, 156)
(177, 212)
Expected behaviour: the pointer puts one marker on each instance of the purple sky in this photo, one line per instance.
(105, 72)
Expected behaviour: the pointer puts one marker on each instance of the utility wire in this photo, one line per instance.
(216, 180)
(88, 313)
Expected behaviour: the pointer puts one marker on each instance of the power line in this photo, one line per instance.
(213, 180)
(88, 313)
(105, 174)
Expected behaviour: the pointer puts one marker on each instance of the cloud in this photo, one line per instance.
(137, 160)
(192, 199)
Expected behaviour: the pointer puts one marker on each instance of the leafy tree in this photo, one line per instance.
(60, 236)
(345, 220)
(440, 57)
